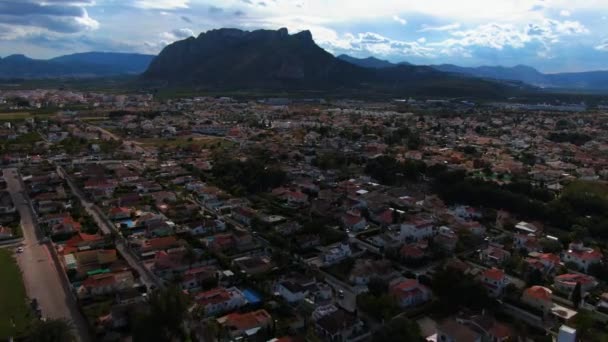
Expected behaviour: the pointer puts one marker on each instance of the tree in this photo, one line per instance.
(53, 330)
(398, 329)
(164, 321)
(576, 295)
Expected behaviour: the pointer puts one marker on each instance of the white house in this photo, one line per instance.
(291, 291)
(408, 292)
(416, 230)
(220, 300)
(494, 280)
(581, 256)
(337, 254)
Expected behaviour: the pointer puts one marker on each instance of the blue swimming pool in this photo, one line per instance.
(252, 296)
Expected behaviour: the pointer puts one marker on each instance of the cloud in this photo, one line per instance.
(448, 27)
(22, 17)
(497, 36)
(161, 4)
(603, 46)
(177, 34)
(215, 10)
(186, 19)
(564, 13)
(399, 20)
(372, 43)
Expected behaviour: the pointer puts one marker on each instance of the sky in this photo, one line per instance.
(550, 35)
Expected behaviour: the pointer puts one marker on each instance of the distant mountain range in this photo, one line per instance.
(90, 64)
(265, 59)
(276, 60)
(592, 80)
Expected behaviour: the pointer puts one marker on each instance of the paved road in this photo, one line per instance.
(146, 277)
(40, 273)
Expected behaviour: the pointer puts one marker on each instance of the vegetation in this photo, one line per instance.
(54, 330)
(251, 176)
(14, 311)
(456, 290)
(397, 330)
(168, 309)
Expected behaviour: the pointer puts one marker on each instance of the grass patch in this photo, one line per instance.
(18, 116)
(14, 310)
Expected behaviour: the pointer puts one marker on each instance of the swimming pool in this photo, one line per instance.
(252, 296)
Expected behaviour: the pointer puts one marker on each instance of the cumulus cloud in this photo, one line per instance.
(399, 20)
(498, 36)
(564, 13)
(375, 44)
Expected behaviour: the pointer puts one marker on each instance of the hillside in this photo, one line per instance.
(264, 59)
(93, 64)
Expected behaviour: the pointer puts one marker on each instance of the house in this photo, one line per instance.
(450, 330)
(158, 244)
(288, 228)
(383, 216)
(365, 270)
(340, 325)
(408, 292)
(244, 215)
(203, 227)
(528, 242)
(414, 251)
(416, 229)
(494, 280)
(353, 220)
(494, 255)
(337, 254)
(220, 300)
(253, 265)
(292, 291)
(6, 203)
(473, 227)
(220, 242)
(106, 284)
(581, 256)
(538, 297)
(239, 324)
(466, 212)
(527, 228)
(119, 213)
(446, 238)
(5, 233)
(67, 226)
(567, 282)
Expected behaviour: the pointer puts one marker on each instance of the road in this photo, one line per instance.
(145, 275)
(41, 276)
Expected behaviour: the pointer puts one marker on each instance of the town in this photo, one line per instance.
(129, 217)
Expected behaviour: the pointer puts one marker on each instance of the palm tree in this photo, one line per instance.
(54, 330)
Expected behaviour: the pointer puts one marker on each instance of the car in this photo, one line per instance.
(20, 250)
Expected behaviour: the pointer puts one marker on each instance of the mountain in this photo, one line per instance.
(275, 60)
(593, 80)
(92, 64)
(369, 62)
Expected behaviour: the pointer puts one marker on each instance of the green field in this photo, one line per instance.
(14, 311)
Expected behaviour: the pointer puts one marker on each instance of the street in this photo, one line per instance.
(40, 274)
(149, 280)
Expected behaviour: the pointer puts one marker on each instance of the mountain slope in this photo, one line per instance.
(92, 64)
(369, 62)
(593, 80)
(263, 59)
